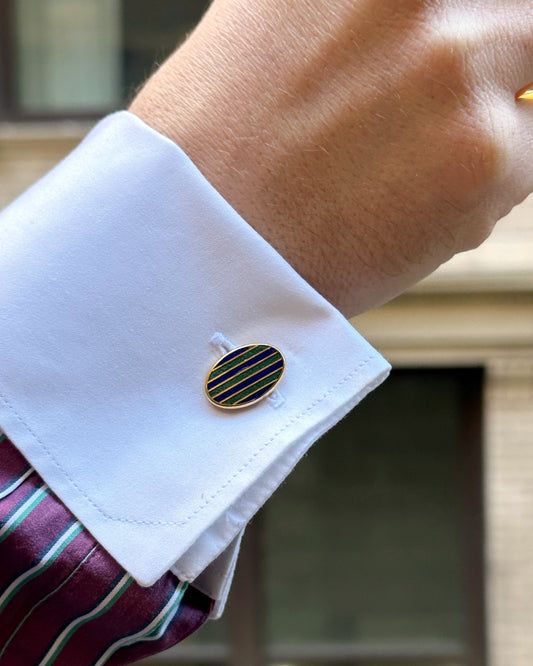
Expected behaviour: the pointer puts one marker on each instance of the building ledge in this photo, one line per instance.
(49, 131)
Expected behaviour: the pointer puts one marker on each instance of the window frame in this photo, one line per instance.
(10, 110)
(6, 58)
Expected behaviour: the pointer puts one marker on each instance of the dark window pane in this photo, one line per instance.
(364, 544)
(152, 30)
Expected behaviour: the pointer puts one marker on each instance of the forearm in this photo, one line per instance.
(236, 110)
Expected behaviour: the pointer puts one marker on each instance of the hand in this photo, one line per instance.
(367, 140)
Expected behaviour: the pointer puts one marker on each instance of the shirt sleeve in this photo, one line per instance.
(123, 277)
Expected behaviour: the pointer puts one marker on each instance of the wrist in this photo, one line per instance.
(227, 104)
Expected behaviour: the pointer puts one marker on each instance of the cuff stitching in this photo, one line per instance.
(207, 502)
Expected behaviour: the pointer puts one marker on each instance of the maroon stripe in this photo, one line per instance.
(82, 592)
(24, 546)
(42, 585)
(195, 609)
(12, 465)
(131, 611)
(18, 496)
(82, 585)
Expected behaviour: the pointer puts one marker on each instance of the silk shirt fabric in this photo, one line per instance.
(124, 275)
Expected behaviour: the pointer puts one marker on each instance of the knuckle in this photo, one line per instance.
(468, 115)
(477, 164)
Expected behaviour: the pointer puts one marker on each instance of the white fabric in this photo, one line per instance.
(116, 271)
(215, 580)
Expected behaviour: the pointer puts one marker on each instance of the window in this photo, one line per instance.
(371, 554)
(84, 57)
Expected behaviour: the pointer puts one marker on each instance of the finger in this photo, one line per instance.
(510, 45)
(495, 40)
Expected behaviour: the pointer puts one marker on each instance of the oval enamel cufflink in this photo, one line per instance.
(244, 376)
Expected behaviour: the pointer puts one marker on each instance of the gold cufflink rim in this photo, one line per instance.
(254, 358)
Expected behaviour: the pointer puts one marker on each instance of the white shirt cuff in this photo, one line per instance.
(117, 269)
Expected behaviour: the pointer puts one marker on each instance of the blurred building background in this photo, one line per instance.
(405, 536)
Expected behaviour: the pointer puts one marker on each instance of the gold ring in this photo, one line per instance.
(525, 93)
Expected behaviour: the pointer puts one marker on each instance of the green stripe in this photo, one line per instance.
(221, 369)
(229, 379)
(249, 390)
(38, 497)
(237, 379)
(45, 598)
(152, 631)
(59, 544)
(12, 485)
(109, 600)
(156, 632)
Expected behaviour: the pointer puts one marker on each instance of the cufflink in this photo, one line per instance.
(244, 376)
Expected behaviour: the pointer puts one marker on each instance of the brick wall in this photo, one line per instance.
(509, 496)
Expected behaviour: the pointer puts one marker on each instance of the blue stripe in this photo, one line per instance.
(249, 381)
(258, 394)
(231, 355)
(269, 351)
(15, 481)
(20, 503)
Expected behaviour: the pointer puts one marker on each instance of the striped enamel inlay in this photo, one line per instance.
(244, 376)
